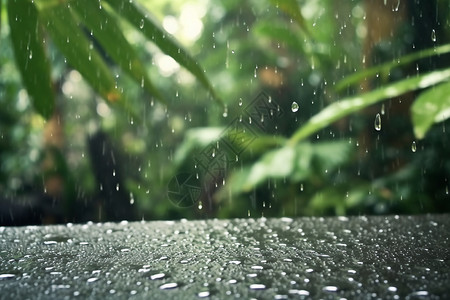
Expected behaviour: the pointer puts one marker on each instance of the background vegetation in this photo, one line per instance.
(274, 108)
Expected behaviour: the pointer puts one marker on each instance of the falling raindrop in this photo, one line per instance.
(200, 205)
(294, 106)
(141, 24)
(240, 102)
(433, 35)
(398, 5)
(225, 112)
(413, 146)
(377, 122)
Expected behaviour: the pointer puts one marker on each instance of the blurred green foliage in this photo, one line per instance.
(113, 67)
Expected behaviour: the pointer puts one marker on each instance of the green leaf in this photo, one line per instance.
(279, 32)
(431, 106)
(386, 67)
(346, 106)
(331, 155)
(33, 64)
(302, 164)
(294, 162)
(292, 9)
(106, 31)
(196, 138)
(145, 23)
(276, 163)
(70, 39)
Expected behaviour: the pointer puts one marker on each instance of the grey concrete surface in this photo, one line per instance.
(394, 257)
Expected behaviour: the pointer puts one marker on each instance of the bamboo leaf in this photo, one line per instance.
(346, 106)
(30, 55)
(385, 67)
(431, 106)
(144, 22)
(106, 31)
(72, 42)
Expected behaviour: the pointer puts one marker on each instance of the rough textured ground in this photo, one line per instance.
(329, 258)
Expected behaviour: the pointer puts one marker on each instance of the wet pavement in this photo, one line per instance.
(393, 257)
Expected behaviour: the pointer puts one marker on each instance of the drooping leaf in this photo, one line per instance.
(145, 23)
(105, 29)
(33, 64)
(386, 67)
(67, 34)
(346, 106)
(431, 106)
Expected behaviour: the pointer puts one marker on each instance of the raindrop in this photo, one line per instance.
(203, 294)
(157, 276)
(413, 146)
(31, 55)
(240, 102)
(225, 112)
(200, 205)
(398, 5)
(7, 276)
(377, 122)
(433, 35)
(168, 286)
(141, 24)
(383, 110)
(257, 286)
(294, 106)
(330, 288)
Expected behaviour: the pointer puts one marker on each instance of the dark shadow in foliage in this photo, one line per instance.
(113, 197)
